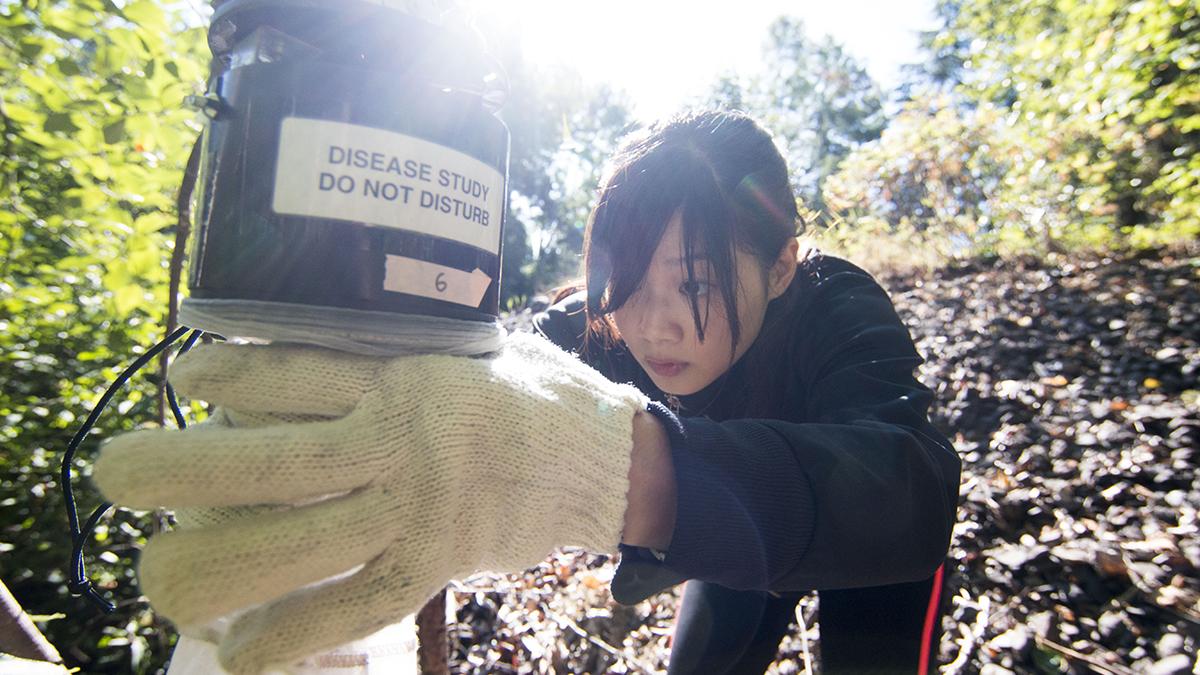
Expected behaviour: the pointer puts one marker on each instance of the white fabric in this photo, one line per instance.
(391, 651)
(348, 330)
(421, 469)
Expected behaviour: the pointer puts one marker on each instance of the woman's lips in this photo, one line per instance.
(666, 368)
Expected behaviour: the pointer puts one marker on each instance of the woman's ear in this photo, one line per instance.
(779, 277)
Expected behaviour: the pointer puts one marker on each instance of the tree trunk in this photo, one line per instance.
(434, 650)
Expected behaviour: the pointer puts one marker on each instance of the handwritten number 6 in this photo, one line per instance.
(440, 282)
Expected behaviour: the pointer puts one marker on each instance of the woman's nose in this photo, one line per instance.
(661, 322)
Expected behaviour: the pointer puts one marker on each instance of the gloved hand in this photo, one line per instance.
(427, 469)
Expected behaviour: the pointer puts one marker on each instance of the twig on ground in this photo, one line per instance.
(803, 626)
(628, 659)
(1093, 661)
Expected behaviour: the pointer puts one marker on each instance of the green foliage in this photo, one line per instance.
(956, 181)
(93, 141)
(817, 100)
(946, 54)
(874, 243)
(932, 170)
(1074, 125)
(562, 129)
(1106, 92)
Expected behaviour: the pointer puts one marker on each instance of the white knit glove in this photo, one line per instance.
(426, 469)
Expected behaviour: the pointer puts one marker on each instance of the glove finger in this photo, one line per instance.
(232, 467)
(197, 576)
(294, 379)
(217, 515)
(320, 618)
(248, 419)
(202, 516)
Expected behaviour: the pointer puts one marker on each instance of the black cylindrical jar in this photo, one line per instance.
(353, 161)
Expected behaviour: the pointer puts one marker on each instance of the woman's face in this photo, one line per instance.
(656, 321)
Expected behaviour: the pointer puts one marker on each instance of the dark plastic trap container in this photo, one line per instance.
(353, 160)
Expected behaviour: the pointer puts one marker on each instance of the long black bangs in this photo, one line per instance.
(635, 207)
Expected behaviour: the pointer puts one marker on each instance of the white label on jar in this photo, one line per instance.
(418, 277)
(362, 174)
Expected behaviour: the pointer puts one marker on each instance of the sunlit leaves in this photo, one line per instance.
(562, 131)
(816, 99)
(1110, 90)
(93, 137)
(1076, 123)
(148, 15)
(934, 168)
(114, 132)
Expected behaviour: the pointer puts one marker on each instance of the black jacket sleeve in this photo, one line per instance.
(563, 323)
(863, 492)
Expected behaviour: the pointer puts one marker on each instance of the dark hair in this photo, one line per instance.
(722, 172)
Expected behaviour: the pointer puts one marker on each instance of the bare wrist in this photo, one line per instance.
(651, 501)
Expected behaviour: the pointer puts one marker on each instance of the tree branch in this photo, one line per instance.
(18, 634)
(183, 227)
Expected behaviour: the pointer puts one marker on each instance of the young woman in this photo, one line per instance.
(801, 454)
(749, 422)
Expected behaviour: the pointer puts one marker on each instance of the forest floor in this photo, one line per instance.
(1070, 389)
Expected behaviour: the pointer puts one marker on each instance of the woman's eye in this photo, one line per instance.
(694, 288)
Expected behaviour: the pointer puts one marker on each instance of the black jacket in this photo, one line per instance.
(846, 485)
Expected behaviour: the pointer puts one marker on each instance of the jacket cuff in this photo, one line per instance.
(745, 511)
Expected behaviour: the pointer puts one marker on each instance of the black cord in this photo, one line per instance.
(174, 404)
(171, 400)
(79, 583)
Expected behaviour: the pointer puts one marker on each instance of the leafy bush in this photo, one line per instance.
(1105, 93)
(94, 139)
(933, 169)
